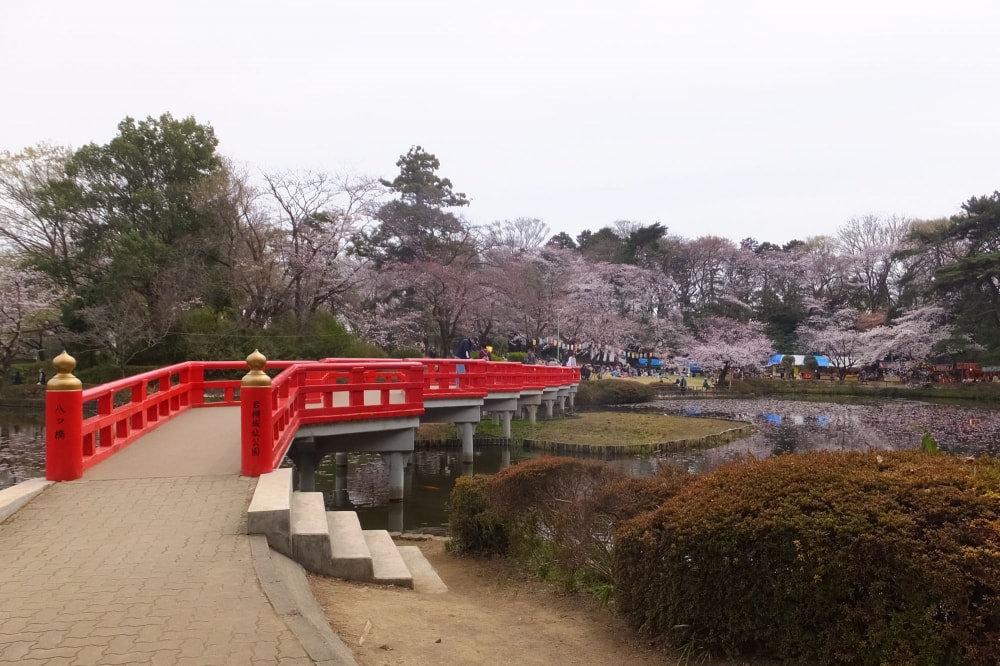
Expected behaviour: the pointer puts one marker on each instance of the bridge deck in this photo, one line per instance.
(199, 442)
(144, 560)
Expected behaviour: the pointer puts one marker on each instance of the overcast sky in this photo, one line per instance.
(776, 120)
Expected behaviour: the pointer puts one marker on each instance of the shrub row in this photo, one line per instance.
(826, 558)
(555, 515)
(885, 558)
(613, 392)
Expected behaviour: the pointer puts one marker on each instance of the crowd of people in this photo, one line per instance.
(467, 346)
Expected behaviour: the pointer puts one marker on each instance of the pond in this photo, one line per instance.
(781, 426)
(22, 448)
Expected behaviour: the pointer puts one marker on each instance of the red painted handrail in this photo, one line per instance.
(345, 390)
(118, 413)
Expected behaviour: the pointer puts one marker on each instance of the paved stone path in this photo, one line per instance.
(142, 571)
(137, 571)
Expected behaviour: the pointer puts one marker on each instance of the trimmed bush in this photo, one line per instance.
(544, 504)
(587, 539)
(471, 524)
(613, 392)
(824, 558)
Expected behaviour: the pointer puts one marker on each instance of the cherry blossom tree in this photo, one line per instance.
(28, 305)
(914, 334)
(722, 344)
(614, 304)
(45, 240)
(319, 215)
(871, 244)
(839, 337)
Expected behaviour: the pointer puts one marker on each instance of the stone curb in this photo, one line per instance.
(285, 584)
(13, 498)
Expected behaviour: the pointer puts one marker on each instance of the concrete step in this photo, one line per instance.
(350, 557)
(271, 508)
(310, 534)
(388, 567)
(425, 579)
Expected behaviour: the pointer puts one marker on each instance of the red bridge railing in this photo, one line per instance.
(84, 427)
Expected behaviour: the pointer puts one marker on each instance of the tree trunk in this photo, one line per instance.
(723, 373)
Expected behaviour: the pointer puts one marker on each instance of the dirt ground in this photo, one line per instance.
(488, 616)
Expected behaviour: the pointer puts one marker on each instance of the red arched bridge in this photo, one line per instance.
(333, 405)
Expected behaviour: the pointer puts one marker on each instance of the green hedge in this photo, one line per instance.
(825, 558)
(613, 392)
(473, 527)
(556, 516)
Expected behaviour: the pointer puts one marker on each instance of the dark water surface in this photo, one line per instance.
(780, 427)
(22, 447)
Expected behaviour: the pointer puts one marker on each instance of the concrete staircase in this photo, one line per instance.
(331, 543)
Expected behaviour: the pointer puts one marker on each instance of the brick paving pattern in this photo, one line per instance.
(137, 571)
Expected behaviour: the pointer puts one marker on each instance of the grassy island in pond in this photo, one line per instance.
(599, 430)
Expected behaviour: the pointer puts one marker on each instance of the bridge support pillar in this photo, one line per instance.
(572, 401)
(532, 412)
(340, 458)
(505, 420)
(397, 465)
(549, 404)
(396, 517)
(466, 431)
(306, 463)
(562, 404)
(341, 500)
(505, 457)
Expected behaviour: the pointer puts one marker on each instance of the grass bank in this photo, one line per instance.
(604, 433)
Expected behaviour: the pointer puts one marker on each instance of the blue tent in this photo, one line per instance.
(821, 361)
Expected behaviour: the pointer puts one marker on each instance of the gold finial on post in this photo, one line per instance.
(256, 377)
(64, 380)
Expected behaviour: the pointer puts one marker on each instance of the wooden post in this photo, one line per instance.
(256, 419)
(64, 422)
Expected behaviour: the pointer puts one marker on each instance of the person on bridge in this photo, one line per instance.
(463, 350)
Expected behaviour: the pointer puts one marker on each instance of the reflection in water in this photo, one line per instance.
(780, 427)
(22, 449)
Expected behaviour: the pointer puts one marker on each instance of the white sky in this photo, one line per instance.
(738, 118)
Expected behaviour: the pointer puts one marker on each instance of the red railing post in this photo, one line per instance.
(256, 420)
(64, 422)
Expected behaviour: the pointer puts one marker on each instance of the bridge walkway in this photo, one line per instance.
(144, 560)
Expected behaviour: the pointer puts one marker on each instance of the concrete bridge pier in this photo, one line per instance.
(466, 431)
(572, 398)
(562, 404)
(505, 418)
(306, 462)
(341, 458)
(396, 517)
(531, 400)
(505, 457)
(397, 465)
(341, 500)
(549, 404)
